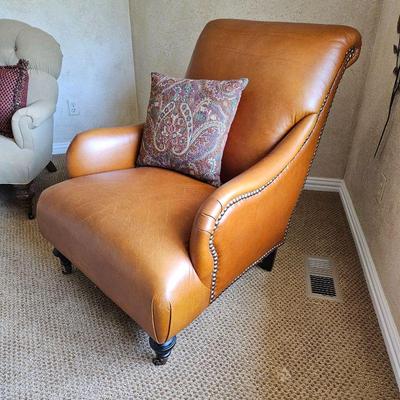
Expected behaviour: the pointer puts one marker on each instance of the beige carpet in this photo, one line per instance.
(60, 338)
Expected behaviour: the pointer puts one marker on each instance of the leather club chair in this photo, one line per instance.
(163, 246)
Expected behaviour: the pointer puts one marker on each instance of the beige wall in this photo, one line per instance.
(380, 220)
(95, 37)
(165, 32)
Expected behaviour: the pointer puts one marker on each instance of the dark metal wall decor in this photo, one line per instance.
(395, 90)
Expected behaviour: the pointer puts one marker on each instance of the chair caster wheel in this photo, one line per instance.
(66, 270)
(163, 351)
(31, 216)
(159, 361)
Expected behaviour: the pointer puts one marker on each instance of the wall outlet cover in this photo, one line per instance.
(73, 107)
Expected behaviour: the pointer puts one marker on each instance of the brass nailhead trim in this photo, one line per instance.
(213, 250)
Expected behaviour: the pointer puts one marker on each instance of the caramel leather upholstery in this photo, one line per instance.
(162, 245)
(101, 150)
(115, 225)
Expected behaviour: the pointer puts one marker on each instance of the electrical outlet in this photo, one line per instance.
(73, 107)
(381, 188)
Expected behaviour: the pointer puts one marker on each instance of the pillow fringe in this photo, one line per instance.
(21, 81)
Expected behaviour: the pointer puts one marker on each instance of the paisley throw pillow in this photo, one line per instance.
(187, 125)
(14, 81)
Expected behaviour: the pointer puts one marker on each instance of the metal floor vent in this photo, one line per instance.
(322, 278)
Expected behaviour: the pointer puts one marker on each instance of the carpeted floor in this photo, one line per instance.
(60, 338)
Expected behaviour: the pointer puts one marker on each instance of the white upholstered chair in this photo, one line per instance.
(25, 155)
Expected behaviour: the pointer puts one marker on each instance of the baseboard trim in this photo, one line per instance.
(385, 318)
(60, 148)
(323, 184)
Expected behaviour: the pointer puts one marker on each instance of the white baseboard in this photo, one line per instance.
(385, 318)
(60, 148)
(323, 184)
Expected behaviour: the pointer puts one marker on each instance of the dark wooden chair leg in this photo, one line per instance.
(163, 351)
(51, 167)
(268, 262)
(25, 194)
(65, 263)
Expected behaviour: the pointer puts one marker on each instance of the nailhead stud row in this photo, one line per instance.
(213, 250)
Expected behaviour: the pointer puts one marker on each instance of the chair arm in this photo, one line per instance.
(104, 149)
(247, 217)
(28, 118)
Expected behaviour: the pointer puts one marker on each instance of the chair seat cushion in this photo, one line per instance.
(129, 232)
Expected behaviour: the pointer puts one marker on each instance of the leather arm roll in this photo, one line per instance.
(103, 150)
(247, 217)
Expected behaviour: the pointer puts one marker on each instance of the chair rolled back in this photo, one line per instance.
(291, 68)
(21, 41)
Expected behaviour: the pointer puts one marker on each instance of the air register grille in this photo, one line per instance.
(322, 278)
